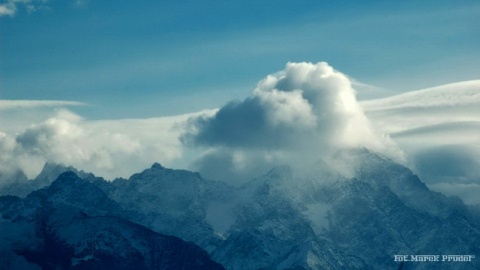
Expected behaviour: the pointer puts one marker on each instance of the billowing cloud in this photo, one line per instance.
(16, 115)
(300, 114)
(8, 164)
(110, 148)
(256, 122)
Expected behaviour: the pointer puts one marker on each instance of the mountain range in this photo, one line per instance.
(317, 218)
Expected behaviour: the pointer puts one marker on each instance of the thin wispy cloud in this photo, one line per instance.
(461, 93)
(439, 129)
(23, 104)
(11, 7)
(81, 3)
(147, 56)
(426, 109)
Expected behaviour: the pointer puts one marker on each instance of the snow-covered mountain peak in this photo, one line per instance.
(158, 173)
(286, 218)
(379, 171)
(51, 171)
(70, 190)
(22, 186)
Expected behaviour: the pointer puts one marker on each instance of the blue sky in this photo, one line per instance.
(150, 58)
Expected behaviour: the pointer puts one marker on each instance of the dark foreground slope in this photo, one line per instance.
(72, 224)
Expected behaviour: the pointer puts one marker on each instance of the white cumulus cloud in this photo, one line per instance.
(298, 115)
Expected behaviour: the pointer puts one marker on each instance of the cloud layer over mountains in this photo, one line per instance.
(298, 115)
(110, 148)
(439, 129)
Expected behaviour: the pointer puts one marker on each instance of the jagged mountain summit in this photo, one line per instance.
(72, 224)
(20, 185)
(285, 219)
